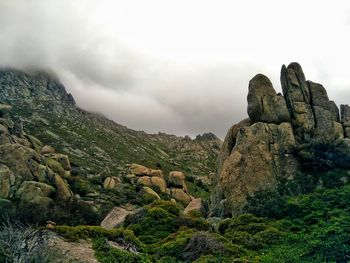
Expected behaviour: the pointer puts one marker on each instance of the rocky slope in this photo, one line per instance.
(97, 147)
(278, 139)
(31, 174)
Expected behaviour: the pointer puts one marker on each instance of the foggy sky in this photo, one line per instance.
(180, 67)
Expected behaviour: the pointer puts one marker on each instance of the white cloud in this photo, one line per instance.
(177, 66)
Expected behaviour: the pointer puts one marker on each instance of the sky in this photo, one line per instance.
(176, 66)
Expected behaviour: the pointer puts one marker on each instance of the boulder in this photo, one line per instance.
(46, 149)
(63, 160)
(115, 217)
(35, 143)
(7, 179)
(264, 104)
(55, 166)
(145, 181)
(138, 169)
(180, 195)
(177, 179)
(160, 183)
(111, 182)
(156, 173)
(63, 192)
(4, 109)
(3, 129)
(150, 193)
(153, 181)
(23, 161)
(31, 192)
(195, 205)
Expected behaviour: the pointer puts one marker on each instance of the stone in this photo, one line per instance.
(55, 166)
(46, 149)
(297, 96)
(177, 179)
(230, 142)
(195, 205)
(180, 195)
(325, 128)
(150, 192)
(35, 143)
(111, 182)
(262, 154)
(3, 129)
(156, 173)
(264, 104)
(345, 119)
(7, 179)
(63, 160)
(145, 181)
(7, 123)
(63, 192)
(115, 218)
(138, 169)
(4, 109)
(23, 161)
(159, 182)
(335, 111)
(31, 192)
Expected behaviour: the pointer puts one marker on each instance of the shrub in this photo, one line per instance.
(202, 243)
(84, 232)
(106, 254)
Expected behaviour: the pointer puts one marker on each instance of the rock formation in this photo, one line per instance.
(28, 172)
(173, 184)
(260, 151)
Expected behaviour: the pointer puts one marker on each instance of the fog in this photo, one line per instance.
(180, 67)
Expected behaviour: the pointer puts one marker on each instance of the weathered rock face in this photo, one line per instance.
(263, 152)
(345, 119)
(195, 205)
(326, 114)
(313, 115)
(116, 217)
(264, 105)
(27, 175)
(260, 151)
(297, 96)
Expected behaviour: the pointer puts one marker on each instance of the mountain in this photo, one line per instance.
(98, 147)
(105, 193)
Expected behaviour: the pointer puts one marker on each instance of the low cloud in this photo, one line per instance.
(148, 91)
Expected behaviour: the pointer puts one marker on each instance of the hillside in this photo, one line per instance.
(98, 147)
(281, 192)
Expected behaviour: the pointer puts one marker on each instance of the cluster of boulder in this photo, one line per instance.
(154, 182)
(30, 172)
(260, 150)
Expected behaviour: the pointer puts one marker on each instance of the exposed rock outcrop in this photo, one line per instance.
(26, 174)
(154, 183)
(116, 217)
(264, 104)
(345, 119)
(260, 151)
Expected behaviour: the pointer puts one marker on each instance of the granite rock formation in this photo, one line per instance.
(260, 151)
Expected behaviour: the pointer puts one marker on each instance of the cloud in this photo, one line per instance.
(179, 67)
